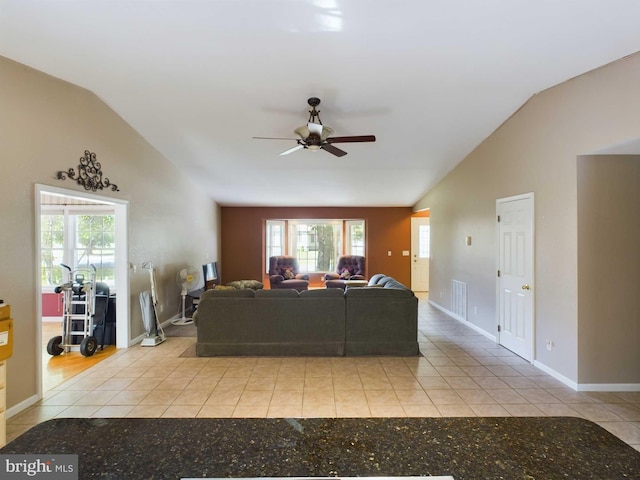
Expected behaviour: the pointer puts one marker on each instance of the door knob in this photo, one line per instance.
(526, 287)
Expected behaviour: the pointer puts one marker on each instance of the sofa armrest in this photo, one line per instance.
(302, 276)
(275, 279)
(357, 277)
(331, 276)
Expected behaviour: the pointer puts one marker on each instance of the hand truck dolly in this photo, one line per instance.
(79, 297)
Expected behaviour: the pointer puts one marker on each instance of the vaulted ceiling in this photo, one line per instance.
(430, 78)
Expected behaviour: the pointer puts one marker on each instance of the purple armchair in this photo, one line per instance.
(283, 273)
(350, 267)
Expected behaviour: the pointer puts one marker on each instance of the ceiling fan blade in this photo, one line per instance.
(315, 128)
(334, 150)
(273, 138)
(291, 150)
(357, 138)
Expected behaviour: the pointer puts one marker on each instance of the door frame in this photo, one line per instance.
(524, 196)
(121, 208)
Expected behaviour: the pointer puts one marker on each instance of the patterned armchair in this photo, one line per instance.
(350, 267)
(283, 273)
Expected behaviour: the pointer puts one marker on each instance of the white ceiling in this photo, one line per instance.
(431, 79)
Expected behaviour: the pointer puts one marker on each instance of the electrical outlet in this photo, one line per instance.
(475, 310)
(161, 308)
(549, 344)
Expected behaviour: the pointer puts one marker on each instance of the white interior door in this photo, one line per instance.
(420, 253)
(515, 274)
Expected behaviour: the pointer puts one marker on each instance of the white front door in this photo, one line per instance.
(515, 274)
(420, 253)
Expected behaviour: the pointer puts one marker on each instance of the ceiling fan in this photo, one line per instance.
(315, 136)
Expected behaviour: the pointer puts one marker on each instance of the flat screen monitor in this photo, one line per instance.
(210, 274)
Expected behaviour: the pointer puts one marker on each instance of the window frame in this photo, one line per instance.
(290, 239)
(69, 250)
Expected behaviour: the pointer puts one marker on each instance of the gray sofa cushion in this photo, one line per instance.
(277, 293)
(227, 293)
(381, 321)
(376, 278)
(273, 322)
(376, 292)
(323, 293)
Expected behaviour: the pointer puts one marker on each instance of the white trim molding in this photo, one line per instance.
(558, 376)
(463, 321)
(609, 387)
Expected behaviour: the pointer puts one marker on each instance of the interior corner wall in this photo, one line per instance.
(387, 229)
(45, 126)
(533, 151)
(608, 266)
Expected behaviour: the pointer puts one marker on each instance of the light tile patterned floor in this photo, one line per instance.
(460, 373)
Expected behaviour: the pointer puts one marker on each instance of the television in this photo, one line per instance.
(210, 275)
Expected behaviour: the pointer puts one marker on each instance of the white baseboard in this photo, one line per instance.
(609, 387)
(463, 321)
(52, 319)
(558, 376)
(18, 407)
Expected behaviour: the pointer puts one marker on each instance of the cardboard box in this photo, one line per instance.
(6, 333)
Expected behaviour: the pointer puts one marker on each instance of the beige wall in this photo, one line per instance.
(534, 151)
(45, 126)
(608, 269)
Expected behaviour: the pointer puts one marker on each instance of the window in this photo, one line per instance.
(78, 238)
(317, 244)
(424, 234)
(94, 245)
(52, 248)
(274, 239)
(355, 237)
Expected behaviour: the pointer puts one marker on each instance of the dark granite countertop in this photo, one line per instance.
(465, 448)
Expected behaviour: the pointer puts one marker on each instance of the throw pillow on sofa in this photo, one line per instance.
(241, 284)
(345, 274)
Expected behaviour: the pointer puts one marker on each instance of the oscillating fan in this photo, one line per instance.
(187, 278)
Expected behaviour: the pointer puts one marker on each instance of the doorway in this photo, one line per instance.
(59, 205)
(420, 253)
(515, 285)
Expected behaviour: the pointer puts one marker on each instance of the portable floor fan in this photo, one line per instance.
(187, 279)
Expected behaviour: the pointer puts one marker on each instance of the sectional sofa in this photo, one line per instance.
(378, 319)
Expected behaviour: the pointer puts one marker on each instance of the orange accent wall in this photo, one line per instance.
(242, 238)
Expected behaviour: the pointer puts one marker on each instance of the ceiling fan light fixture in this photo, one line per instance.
(302, 132)
(314, 136)
(326, 132)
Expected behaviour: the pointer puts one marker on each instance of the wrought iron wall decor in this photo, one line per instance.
(89, 174)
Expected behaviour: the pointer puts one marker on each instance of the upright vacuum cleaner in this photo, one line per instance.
(148, 301)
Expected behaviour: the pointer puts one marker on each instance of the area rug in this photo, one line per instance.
(180, 330)
(465, 448)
